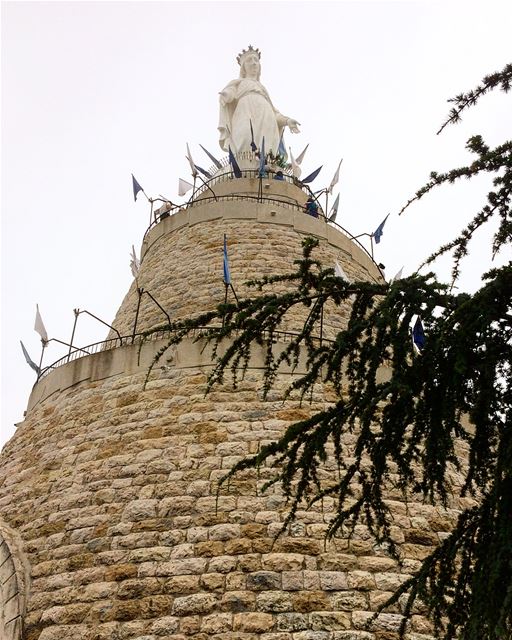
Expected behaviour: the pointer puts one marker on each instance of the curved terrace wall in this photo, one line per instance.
(112, 487)
(182, 257)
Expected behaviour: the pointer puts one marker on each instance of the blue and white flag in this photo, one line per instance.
(335, 178)
(234, 164)
(261, 171)
(29, 360)
(312, 176)
(136, 187)
(398, 275)
(184, 187)
(191, 162)
(134, 263)
(300, 157)
(338, 271)
(205, 173)
(418, 335)
(282, 149)
(225, 265)
(212, 157)
(377, 234)
(39, 326)
(334, 209)
(296, 170)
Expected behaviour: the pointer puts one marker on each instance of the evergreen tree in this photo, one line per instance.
(454, 391)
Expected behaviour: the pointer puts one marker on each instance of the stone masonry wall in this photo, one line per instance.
(182, 260)
(112, 487)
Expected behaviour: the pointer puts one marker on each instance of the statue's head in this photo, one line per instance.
(249, 61)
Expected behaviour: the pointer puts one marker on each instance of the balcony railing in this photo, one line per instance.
(139, 338)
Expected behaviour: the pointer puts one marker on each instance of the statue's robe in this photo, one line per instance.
(245, 101)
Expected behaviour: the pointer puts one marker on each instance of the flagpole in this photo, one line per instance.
(77, 313)
(139, 291)
(158, 305)
(208, 187)
(234, 292)
(44, 343)
(225, 301)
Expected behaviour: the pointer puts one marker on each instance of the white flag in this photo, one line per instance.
(39, 326)
(134, 263)
(295, 167)
(398, 276)
(191, 162)
(300, 158)
(335, 179)
(338, 271)
(183, 187)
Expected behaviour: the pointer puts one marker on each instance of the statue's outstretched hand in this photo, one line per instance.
(293, 125)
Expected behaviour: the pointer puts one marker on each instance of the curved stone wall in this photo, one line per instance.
(112, 486)
(182, 259)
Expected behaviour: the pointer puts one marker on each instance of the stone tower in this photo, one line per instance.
(110, 527)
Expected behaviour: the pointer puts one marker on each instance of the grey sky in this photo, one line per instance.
(94, 91)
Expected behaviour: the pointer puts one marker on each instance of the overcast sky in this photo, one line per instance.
(93, 91)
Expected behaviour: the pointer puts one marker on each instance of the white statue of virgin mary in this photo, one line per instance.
(245, 101)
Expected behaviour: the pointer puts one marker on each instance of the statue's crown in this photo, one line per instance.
(245, 52)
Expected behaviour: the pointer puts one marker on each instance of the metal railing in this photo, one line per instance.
(114, 343)
(277, 201)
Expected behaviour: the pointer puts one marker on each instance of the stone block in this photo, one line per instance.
(139, 510)
(224, 532)
(361, 580)
(273, 602)
(217, 623)
(213, 581)
(120, 572)
(306, 601)
(180, 585)
(349, 600)
(292, 622)
(237, 601)
(333, 580)
(197, 603)
(282, 561)
(337, 562)
(263, 580)
(222, 564)
(181, 566)
(253, 622)
(292, 580)
(329, 620)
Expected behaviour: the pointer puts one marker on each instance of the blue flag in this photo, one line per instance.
(418, 335)
(136, 187)
(377, 234)
(212, 157)
(334, 210)
(282, 149)
(234, 164)
(225, 266)
(254, 148)
(30, 362)
(261, 171)
(204, 172)
(312, 176)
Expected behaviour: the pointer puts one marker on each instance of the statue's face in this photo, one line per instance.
(252, 66)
